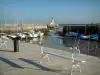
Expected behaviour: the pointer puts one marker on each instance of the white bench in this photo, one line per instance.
(75, 62)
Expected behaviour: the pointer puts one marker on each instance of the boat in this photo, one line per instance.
(31, 34)
(39, 33)
(36, 33)
(1, 34)
(71, 34)
(4, 37)
(94, 36)
(84, 36)
(28, 35)
(21, 35)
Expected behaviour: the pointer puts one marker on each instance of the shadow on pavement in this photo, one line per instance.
(10, 63)
(38, 65)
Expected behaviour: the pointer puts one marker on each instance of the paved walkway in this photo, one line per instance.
(26, 62)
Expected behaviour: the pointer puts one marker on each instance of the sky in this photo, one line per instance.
(41, 11)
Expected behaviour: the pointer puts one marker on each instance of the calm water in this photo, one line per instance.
(55, 41)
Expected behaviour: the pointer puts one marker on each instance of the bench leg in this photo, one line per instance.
(79, 68)
(79, 51)
(47, 56)
(72, 70)
(75, 66)
(48, 59)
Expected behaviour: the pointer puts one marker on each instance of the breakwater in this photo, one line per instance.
(21, 27)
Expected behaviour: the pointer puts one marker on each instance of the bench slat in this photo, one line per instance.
(63, 56)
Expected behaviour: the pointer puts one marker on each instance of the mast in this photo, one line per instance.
(4, 26)
(21, 18)
(70, 27)
(85, 29)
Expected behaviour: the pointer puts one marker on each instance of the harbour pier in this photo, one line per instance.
(21, 27)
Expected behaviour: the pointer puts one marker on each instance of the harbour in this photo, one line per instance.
(35, 47)
(49, 37)
(25, 54)
(58, 42)
(26, 61)
(54, 39)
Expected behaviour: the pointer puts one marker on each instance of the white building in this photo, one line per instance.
(53, 24)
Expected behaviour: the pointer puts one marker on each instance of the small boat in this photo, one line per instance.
(27, 34)
(4, 37)
(35, 33)
(39, 33)
(94, 36)
(84, 36)
(12, 36)
(21, 35)
(1, 34)
(31, 34)
(71, 34)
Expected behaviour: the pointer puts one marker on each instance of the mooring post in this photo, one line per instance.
(16, 44)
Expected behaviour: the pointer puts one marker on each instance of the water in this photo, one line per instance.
(55, 41)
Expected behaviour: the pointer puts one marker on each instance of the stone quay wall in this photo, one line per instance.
(20, 27)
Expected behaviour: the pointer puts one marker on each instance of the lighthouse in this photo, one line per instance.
(53, 24)
(52, 21)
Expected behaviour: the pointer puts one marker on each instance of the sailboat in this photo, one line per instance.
(71, 34)
(84, 36)
(94, 36)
